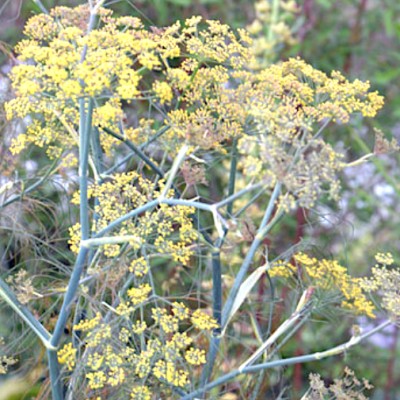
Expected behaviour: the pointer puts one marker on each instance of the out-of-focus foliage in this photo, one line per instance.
(360, 38)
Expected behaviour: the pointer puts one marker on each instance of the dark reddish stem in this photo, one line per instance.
(310, 19)
(355, 34)
(390, 383)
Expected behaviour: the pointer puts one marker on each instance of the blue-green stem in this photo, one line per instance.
(256, 391)
(140, 148)
(217, 272)
(271, 304)
(209, 207)
(285, 362)
(249, 203)
(233, 196)
(232, 175)
(85, 128)
(187, 203)
(262, 231)
(55, 376)
(9, 297)
(171, 202)
(136, 150)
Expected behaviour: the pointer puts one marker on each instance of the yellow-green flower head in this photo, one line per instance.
(60, 62)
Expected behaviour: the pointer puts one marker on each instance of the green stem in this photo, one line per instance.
(140, 148)
(131, 214)
(99, 164)
(85, 129)
(232, 174)
(155, 137)
(174, 169)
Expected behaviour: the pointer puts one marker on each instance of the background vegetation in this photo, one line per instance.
(360, 38)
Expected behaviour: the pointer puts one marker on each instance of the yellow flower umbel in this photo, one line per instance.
(220, 98)
(141, 393)
(328, 276)
(170, 228)
(163, 91)
(384, 258)
(159, 354)
(203, 321)
(120, 54)
(195, 356)
(67, 356)
(384, 284)
(292, 103)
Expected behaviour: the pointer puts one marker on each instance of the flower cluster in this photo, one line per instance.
(5, 361)
(385, 283)
(271, 30)
(67, 356)
(349, 387)
(23, 286)
(161, 353)
(328, 276)
(289, 105)
(120, 61)
(203, 69)
(196, 82)
(384, 258)
(168, 229)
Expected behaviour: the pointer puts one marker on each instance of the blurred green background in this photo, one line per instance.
(361, 38)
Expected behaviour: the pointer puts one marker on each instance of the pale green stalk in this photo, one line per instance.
(89, 243)
(274, 19)
(283, 328)
(174, 169)
(41, 6)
